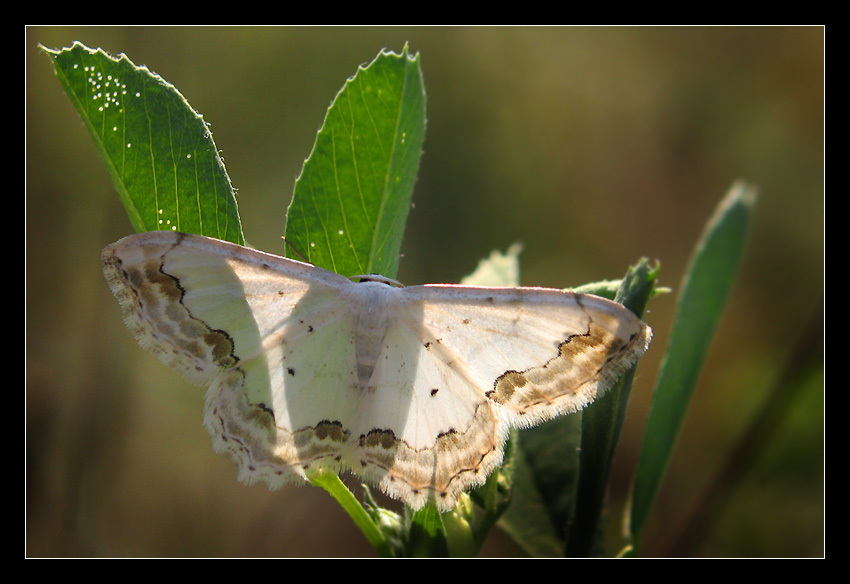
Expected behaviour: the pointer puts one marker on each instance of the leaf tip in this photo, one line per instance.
(743, 191)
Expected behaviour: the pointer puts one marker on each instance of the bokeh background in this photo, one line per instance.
(591, 146)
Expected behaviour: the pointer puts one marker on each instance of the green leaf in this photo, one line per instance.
(352, 198)
(703, 295)
(426, 534)
(544, 478)
(157, 149)
(600, 430)
(500, 269)
(611, 288)
(458, 526)
(562, 466)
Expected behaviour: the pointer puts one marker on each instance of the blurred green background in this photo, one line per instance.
(591, 146)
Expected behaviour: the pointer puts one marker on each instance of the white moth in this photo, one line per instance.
(413, 389)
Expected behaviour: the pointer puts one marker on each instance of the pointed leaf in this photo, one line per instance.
(352, 198)
(704, 291)
(157, 149)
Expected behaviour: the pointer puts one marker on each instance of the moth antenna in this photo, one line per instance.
(295, 251)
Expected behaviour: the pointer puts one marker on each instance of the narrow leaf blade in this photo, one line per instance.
(600, 430)
(704, 291)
